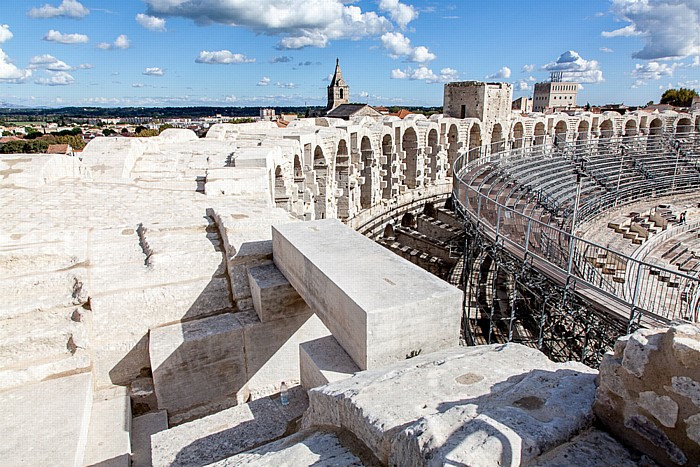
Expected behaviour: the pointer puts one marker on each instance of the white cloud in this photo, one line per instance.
(522, 85)
(155, 71)
(281, 59)
(231, 99)
(121, 42)
(222, 57)
(58, 78)
(264, 81)
(503, 73)
(67, 8)
(670, 28)
(285, 85)
(607, 50)
(56, 36)
(653, 70)
(48, 62)
(138, 85)
(152, 23)
(528, 68)
(576, 68)
(86, 66)
(400, 13)
(423, 73)
(5, 33)
(9, 73)
(399, 45)
(300, 23)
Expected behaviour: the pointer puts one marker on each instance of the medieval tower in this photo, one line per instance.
(338, 90)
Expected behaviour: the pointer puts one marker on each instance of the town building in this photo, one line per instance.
(555, 94)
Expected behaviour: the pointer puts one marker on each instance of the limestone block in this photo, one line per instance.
(237, 182)
(361, 292)
(272, 348)
(510, 397)
(324, 361)
(43, 290)
(311, 447)
(47, 423)
(592, 448)
(141, 430)
(220, 435)
(112, 158)
(273, 295)
(197, 362)
(119, 359)
(649, 392)
(109, 438)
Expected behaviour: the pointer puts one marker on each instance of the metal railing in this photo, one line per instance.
(628, 287)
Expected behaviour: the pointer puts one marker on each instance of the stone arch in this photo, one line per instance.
(452, 147)
(631, 127)
(606, 129)
(387, 166)
(342, 179)
(697, 124)
(539, 134)
(474, 142)
(497, 141)
(408, 220)
(684, 126)
(368, 162)
(409, 144)
(655, 134)
(560, 130)
(582, 131)
(321, 171)
(518, 135)
(389, 231)
(298, 173)
(434, 149)
(280, 190)
(656, 127)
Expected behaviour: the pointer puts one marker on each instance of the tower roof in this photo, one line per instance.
(338, 75)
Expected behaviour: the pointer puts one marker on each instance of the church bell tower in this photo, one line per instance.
(338, 90)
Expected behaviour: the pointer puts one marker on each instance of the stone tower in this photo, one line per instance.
(338, 90)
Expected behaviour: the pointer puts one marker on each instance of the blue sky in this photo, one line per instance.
(392, 52)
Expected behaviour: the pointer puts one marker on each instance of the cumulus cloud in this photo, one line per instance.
(67, 8)
(607, 50)
(653, 70)
(300, 23)
(399, 46)
(231, 99)
(222, 57)
(503, 73)
(423, 73)
(154, 71)
(285, 85)
(528, 68)
(121, 42)
(522, 85)
(9, 72)
(48, 62)
(138, 85)
(86, 66)
(58, 78)
(5, 33)
(264, 81)
(670, 28)
(281, 59)
(399, 12)
(576, 68)
(56, 36)
(152, 23)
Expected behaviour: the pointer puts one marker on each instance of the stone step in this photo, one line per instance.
(227, 433)
(109, 437)
(311, 447)
(142, 428)
(323, 361)
(43, 291)
(47, 423)
(273, 296)
(461, 406)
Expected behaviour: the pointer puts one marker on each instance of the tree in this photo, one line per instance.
(164, 127)
(649, 103)
(147, 133)
(24, 147)
(678, 97)
(108, 132)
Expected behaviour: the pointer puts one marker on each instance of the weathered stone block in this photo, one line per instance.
(361, 292)
(197, 362)
(273, 295)
(324, 361)
(109, 439)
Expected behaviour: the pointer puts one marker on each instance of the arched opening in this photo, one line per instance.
(280, 192)
(560, 132)
(342, 179)
(631, 128)
(452, 147)
(387, 166)
(389, 231)
(697, 124)
(408, 220)
(342, 93)
(298, 174)
(474, 142)
(518, 135)
(539, 134)
(321, 171)
(683, 127)
(606, 129)
(497, 141)
(582, 131)
(655, 128)
(409, 143)
(367, 163)
(655, 135)
(433, 149)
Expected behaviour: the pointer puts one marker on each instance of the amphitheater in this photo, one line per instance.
(434, 291)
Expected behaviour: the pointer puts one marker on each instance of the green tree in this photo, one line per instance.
(164, 127)
(108, 132)
(24, 147)
(678, 97)
(146, 133)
